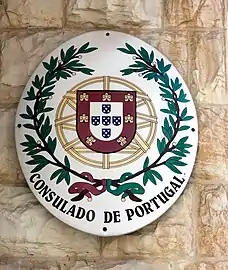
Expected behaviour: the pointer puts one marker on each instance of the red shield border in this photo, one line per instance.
(83, 119)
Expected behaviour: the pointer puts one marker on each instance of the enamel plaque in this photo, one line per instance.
(106, 133)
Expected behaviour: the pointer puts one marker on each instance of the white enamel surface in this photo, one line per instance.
(108, 61)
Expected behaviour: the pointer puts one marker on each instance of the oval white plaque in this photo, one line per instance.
(106, 133)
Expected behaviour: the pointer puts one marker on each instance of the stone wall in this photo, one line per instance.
(193, 235)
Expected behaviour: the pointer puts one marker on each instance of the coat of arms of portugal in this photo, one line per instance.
(106, 119)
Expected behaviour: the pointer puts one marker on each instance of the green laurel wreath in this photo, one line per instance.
(172, 93)
(42, 152)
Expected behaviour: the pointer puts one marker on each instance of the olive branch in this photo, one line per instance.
(42, 151)
(150, 68)
(171, 91)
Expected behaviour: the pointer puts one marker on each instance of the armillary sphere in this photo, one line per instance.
(65, 123)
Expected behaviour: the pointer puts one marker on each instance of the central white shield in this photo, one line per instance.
(106, 120)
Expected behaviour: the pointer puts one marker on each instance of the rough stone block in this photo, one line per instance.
(26, 227)
(21, 53)
(170, 236)
(212, 157)
(194, 13)
(10, 171)
(31, 13)
(207, 68)
(115, 13)
(212, 228)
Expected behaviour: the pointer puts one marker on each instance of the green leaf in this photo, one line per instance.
(33, 152)
(145, 179)
(32, 162)
(52, 144)
(151, 177)
(182, 95)
(41, 119)
(31, 94)
(39, 167)
(182, 141)
(55, 174)
(161, 145)
(30, 139)
(171, 120)
(167, 130)
(176, 161)
(130, 48)
(165, 79)
(172, 108)
(187, 145)
(29, 111)
(53, 63)
(46, 128)
(70, 53)
(25, 116)
(91, 49)
(184, 150)
(38, 82)
(26, 144)
(165, 111)
(156, 174)
(184, 112)
(62, 55)
(146, 163)
(167, 67)
(67, 162)
(166, 133)
(176, 85)
(60, 177)
(187, 118)
(179, 163)
(46, 92)
(166, 123)
(64, 75)
(47, 66)
(83, 48)
(164, 84)
(150, 76)
(41, 106)
(166, 94)
(29, 126)
(87, 71)
(183, 100)
(141, 65)
(151, 56)
(144, 55)
(48, 109)
(123, 50)
(178, 153)
(173, 168)
(37, 159)
(160, 64)
(40, 158)
(184, 128)
(67, 178)
(127, 71)
(75, 63)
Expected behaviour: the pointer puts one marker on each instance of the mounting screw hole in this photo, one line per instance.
(193, 130)
(19, 125)
(105, 229)
(107, 34)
